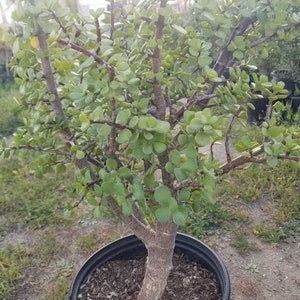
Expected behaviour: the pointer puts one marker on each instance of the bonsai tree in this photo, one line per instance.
(133, 96)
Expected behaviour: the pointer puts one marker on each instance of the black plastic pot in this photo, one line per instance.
(295, 104)
(258, 114)
(131, 247)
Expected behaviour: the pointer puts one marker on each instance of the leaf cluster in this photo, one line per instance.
(134, 98)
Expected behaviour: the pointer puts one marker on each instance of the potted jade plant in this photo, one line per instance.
(134, 97)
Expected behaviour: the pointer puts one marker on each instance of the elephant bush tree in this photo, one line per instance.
(133, 96)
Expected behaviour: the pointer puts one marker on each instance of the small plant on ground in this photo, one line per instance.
(32, 207)
(9, 111)
(240, 241)
(12, 263)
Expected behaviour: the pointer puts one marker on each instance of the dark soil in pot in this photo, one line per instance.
(116, 272)
(121, 280)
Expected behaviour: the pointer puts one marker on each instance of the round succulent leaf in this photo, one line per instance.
(180, 174)
(126, 206)
(111, 164)
(80, 154)
(123, 116)
(203, 139)
(180, 216)
(124, 136)
(159, 147)
(175, 157)
(137, 190)
(162, 127)
(124, 172)
(184, 194)
(162, 214)
(162, 193)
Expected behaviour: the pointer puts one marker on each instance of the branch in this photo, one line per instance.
(227, 135)
(59, 23)
(36, 148)
(241, 160)
(56, 104)
(137, 226)
(271, 37)
(98, 32)
(88, 53)
(226, 56)
(159, 100)
(111, 123)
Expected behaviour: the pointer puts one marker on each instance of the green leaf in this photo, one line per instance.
(124, 172)
(60, 169)
(162, 127)
(97, 190)
(180, 216)
(122, 66)
(162, 193)
(80, 154)
(83, 118)
(203, 139)
(184, 194)
(179, 29)
(159, 147)
(275, 132)
(92, 201)
(268, 149)
(111, 164)
(180, 175)
(97, 212)
(133, 121)
(182, 139)
(162, 214)
(169, 167)
(189, 166)
(87, 63)
(108, 187)
(137, 190)
(272, 161)
(124, 136)
(67, 214)
(175, 157)
(123, 116)
(3, 143)
(126, 207)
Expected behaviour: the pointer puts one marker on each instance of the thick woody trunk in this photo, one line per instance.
(159, 262)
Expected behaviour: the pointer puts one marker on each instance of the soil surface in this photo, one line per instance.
(120, 280)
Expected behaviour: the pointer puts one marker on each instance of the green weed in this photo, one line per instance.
(10, 117)
(29, 201)
(12, 262)
(269, 233)
(240, 241)
(209, 217)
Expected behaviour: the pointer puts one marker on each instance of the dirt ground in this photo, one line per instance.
(270, 272)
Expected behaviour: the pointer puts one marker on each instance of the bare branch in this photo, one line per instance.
(111, 123)
(87, 53)
(227, 135)
(159, 100)
(56, 104)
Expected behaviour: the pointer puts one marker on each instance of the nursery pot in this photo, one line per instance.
(130, 247)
